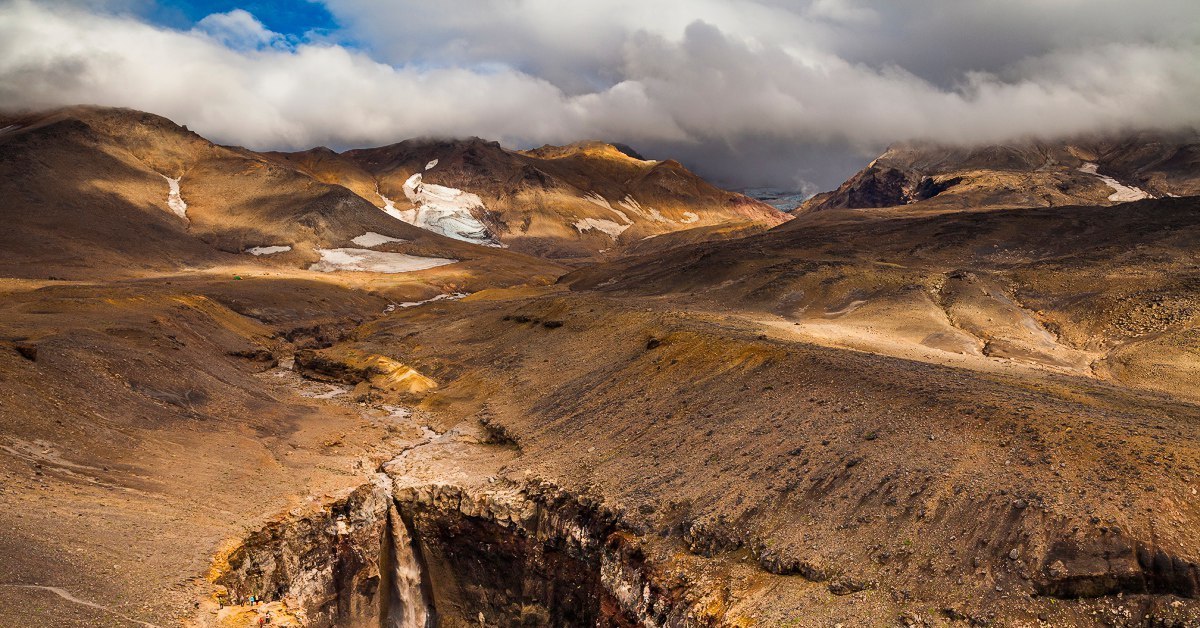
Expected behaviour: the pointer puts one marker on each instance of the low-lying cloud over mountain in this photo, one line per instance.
(751, 92)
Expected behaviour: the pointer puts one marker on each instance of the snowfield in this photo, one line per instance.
(1122, 193)
(689, 218)
(371, 239)
(268, 250)
(430, 165)
(366, 260)
(174, 200)
(445, 210)
(599, 224)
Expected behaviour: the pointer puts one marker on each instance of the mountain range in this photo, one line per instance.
(1092, 171)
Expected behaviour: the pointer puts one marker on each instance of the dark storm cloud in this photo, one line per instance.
(754, 92)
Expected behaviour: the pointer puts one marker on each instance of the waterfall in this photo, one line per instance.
(409, 604)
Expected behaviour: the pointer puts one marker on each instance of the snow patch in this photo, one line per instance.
(689, 218)
(389, 208)
(174, 200)
(268, 250)
(431, 164)
(445, 210)
(850, 307)
(632, 205)
(452, 296)
(1121, 193)
(366, 260)
(371, 239)
(12, 128)
(595, 199)
(599, 224)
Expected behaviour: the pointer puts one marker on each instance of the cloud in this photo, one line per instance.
(750, 92)
(239, 30)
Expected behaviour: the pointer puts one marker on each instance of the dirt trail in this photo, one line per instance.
(66, 595)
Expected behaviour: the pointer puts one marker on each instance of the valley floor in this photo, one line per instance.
(580, 454)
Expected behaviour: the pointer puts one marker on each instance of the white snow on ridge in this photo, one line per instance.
(445, 210)
(371, 239)
(268, 250)
(1122, 193)
(595, 199)
(174, 200)
(600, 201)
(632, 205)
(12, 128)
(366, 260)
(689, 218)
(430, 165)
(599, 224)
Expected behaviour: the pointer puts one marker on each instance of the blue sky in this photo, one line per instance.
(289, 17)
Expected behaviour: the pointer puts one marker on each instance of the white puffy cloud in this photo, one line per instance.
(240, 30)
(748, 91)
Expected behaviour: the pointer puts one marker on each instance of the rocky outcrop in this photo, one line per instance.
(536, 556)
(1112, 564)
(329, 566)
(348, 366)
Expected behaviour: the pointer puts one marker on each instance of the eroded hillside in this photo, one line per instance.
(860, 417)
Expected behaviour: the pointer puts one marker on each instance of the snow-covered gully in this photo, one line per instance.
(174, 198)
(1121, 193)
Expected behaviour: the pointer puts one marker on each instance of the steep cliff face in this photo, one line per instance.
(330, 567)
(537, 556)
(445, 555)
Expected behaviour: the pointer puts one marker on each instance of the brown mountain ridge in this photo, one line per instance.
(1105, 171)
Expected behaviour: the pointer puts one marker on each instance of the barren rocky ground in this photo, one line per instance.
(869, 417)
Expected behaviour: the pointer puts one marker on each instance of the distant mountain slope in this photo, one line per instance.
(1108, 292)
(1025, 174)
(554, 201)
(95, 191)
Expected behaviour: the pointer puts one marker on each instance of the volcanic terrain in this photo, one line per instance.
(442, 383)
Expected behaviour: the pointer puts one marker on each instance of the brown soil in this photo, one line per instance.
(858, 418)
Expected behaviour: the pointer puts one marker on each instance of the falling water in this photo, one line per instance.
(409, 605)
